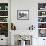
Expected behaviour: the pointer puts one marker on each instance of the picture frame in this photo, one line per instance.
(42, 33)
(22, 14)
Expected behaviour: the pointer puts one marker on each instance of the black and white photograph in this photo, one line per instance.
(22, 14)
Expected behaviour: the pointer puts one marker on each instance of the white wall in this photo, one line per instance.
(32, 6)
(24, 5)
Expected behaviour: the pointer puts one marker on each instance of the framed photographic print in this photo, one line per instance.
(22, 14)
(42, 32)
